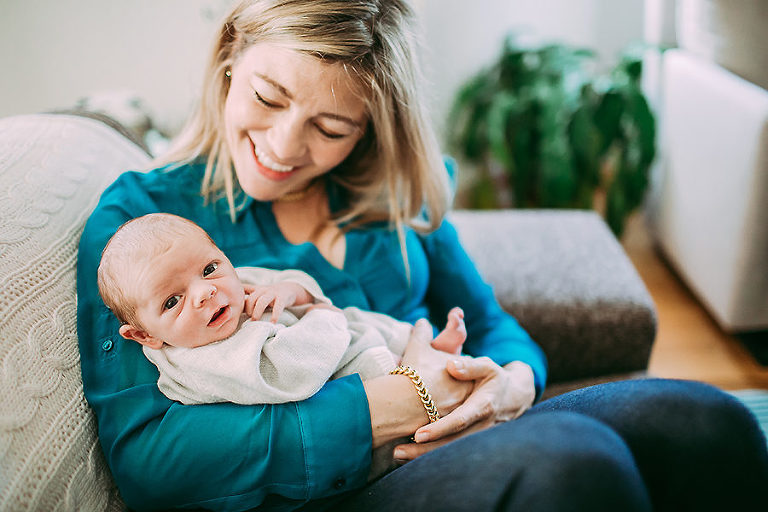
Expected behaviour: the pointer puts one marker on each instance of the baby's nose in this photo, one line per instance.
(205, 293)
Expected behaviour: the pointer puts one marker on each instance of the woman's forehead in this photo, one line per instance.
(300, 75)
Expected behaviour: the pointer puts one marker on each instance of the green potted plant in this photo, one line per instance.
(547, 132)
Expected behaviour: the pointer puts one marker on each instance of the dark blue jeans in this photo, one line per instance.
(624, 446)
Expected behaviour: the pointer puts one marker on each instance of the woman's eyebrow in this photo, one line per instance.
(285, 92)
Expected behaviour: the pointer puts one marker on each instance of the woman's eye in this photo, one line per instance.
(171, 302)
(330, 135)
(210, 268)
(264, 102)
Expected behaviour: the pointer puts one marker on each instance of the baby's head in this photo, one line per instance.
(167, 282)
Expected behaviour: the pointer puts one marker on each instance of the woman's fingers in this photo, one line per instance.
(407, 452)
(468, 368)
(476, 408)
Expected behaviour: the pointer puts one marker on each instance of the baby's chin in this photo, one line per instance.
(221, 336)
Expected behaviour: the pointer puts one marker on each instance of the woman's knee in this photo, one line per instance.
(573, 462)
(671, 408)
(684, 436)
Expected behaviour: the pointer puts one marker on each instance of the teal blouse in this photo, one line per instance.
(226, 456)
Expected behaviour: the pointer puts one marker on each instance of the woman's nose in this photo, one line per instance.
(204, 292)
(286, 138)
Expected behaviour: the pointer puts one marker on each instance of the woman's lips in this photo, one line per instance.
(269, 172)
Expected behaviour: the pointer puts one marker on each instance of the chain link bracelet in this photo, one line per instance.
(421, 389)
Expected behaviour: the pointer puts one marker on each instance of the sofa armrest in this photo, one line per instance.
(567, 280)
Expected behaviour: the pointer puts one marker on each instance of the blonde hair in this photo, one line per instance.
(135, 242)
(395, 173)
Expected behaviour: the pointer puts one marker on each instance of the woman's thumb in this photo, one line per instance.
(468, 368)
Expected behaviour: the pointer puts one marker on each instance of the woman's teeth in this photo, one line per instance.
(269, 163)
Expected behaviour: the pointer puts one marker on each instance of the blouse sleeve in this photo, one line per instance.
(216, 456)
(455, 281)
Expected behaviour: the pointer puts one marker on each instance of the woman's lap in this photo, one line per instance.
(619, 446)
(697, 447)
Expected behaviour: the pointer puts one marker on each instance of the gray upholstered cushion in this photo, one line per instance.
(568, 281)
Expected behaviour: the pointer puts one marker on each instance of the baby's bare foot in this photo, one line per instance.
(452, 338)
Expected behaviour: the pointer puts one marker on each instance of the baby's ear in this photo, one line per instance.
(130, 332)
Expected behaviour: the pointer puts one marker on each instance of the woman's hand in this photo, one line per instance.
(447, 392)
(395, 408)
(499, 395)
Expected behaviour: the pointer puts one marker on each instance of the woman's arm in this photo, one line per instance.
(491, 332)
(164, 454)
(395, 407)
(500, 393)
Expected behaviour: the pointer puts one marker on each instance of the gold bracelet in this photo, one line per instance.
(421, 389)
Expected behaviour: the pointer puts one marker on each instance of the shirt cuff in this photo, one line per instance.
(336, 427)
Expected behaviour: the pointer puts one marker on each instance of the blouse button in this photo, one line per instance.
(107, 345)
(339, 483)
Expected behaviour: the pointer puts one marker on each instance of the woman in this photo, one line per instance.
(310, 149)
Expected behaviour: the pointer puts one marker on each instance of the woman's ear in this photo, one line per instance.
(130, 332)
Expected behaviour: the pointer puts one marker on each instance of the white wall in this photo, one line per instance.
(54, 52)
(463, 36)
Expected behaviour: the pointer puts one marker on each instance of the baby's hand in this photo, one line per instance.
(277, 296)
(323, 305)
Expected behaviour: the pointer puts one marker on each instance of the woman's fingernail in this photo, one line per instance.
(420, 437)
(399, 453)
(459, 365)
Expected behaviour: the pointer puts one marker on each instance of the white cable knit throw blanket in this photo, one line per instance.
(52, 171)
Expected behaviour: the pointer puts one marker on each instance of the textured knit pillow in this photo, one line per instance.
(52, 170)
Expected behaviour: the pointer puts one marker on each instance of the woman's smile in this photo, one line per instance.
(288, 118)
(271, 169)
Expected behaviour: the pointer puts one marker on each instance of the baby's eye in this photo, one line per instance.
(171, 302)
(210, 268)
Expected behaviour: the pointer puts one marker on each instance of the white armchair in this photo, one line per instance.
(709, 217)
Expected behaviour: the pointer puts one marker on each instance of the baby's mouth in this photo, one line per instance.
(218, 314)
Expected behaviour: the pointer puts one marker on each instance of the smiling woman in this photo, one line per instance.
(311, 151)
(289, 118)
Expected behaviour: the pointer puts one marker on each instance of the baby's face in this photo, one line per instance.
(189, 295)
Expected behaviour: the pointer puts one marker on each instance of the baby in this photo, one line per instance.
(203, 323)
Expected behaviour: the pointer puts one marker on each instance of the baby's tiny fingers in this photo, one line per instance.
(277, 308)
(261, 305)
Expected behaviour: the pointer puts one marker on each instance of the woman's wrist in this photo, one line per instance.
(395, 407)
(424, 395)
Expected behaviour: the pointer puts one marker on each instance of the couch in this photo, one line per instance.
(561, 273)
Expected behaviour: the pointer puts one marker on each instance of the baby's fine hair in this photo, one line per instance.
(134, 243)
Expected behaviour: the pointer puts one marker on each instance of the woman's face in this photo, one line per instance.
(288, 118)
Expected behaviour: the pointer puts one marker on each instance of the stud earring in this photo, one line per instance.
(228, 73)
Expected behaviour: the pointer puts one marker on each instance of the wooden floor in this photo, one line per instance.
(689, 344)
